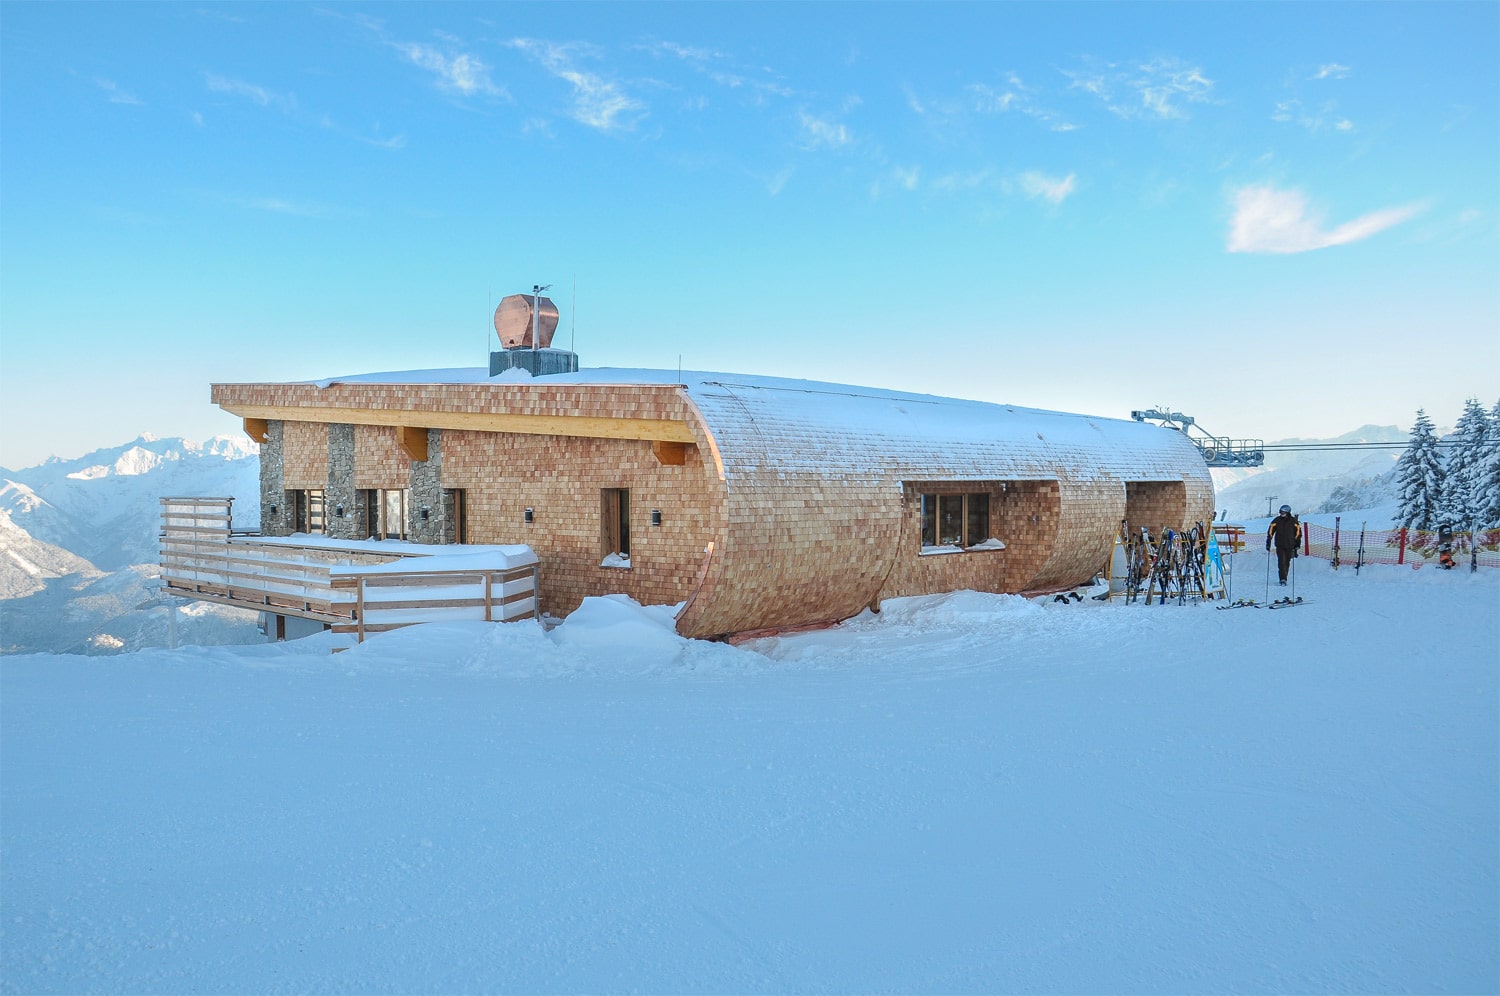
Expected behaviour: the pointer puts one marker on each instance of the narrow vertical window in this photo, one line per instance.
(459, 516)
(393, 514)
(929, 520)
(614, 525)
(977, 528)
(309, 511)
(369, 510)
(950, 520)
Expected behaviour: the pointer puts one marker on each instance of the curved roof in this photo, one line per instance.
(802, 427)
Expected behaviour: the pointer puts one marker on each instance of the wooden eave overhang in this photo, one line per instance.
(594, 426)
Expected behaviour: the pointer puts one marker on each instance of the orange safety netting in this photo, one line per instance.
(1398, 546)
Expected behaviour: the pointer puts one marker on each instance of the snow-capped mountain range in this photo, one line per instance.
(78, 541)
(1306, 479)
(78, 538)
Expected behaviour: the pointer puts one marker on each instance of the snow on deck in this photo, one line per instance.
(451, 558)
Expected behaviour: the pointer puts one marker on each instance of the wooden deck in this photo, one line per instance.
(352, 586)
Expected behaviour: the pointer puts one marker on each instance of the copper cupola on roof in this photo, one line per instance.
(525, 324)
(526, 321)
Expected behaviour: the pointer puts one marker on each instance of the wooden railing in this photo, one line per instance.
(385, 601)
(352, 586)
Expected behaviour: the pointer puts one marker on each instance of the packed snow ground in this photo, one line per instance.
(966, 793)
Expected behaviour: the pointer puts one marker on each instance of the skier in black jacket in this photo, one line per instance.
(1286, 532)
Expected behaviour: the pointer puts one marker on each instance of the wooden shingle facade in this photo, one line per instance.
(754, 503)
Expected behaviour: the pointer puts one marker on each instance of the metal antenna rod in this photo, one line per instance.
(536, 307)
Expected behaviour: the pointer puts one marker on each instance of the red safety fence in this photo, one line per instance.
(1397, 546)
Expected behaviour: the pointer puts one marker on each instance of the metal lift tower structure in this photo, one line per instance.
(1218, 451)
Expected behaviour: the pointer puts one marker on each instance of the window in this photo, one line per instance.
(614, 526)
(454, 499)
(955, 520)
(387, 512)
(308, 509)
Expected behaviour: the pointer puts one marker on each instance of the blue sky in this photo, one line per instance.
(1283, 219)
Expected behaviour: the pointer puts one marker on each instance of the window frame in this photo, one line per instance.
(940, 513)
(378, 502)
(310, 511)
(614, 527)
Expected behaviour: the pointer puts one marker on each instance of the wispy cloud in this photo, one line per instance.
(597, 102)
(897, 178)
(1321, 117)
(250, 91)
(1268, 220)
(1039, 186)
(776, 182)
(962, 182)
(395, 143)
(462, 74)
(823, 133)
(1332, 71)
(115, 94)
(722, 69)
(687, 53)
(1013, 95)
(1157, 89)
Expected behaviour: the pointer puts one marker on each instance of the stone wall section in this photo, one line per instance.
(427, 492)
(344, 513)
(275, 511)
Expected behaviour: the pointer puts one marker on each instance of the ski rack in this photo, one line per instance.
(1218, 451)
(1172, 567)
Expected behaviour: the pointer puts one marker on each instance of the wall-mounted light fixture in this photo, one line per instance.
(339, 511)
(527, 515)
(656, 516)
(426, 514)
(273, 511)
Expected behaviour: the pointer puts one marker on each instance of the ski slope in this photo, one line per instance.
(967, 793)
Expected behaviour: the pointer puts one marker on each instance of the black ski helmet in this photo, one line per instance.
(1286, 510)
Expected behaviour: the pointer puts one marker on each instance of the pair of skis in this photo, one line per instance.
(1250, 603)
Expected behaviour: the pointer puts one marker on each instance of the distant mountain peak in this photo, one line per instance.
(15, 495)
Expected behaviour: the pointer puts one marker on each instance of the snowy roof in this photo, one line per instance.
(800, 426)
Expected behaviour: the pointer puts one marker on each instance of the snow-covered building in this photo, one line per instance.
(752, 502)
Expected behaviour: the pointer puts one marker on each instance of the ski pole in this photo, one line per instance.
(1294, 578)
(1268, 572)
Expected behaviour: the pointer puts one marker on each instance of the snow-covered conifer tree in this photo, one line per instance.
(1487, 474)
(1464, 482)
(1419, 478)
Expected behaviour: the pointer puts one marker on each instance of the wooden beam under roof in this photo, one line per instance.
(413, 440)
(590, 426)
